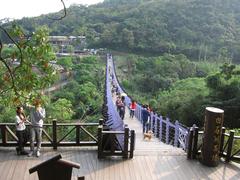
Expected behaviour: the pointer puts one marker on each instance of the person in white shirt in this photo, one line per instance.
(20, 131)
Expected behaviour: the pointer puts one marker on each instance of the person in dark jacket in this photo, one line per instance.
(145, 115)
(122, 107)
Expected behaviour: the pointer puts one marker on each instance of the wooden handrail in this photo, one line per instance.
(58, 124)
(113, 132)
(52, 139)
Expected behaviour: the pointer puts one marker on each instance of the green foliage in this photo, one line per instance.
(199, 29)
(24, 68)
(61, 110)
(180, 89)
(184, 101)
(224, 93)
(155, 73)
(7, 113)
(66, 62)
(85, 92)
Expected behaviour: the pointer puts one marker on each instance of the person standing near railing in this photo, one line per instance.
(145, 118)
(122, 107)
(37, 114)
(21, 131)
(149, 117)
(132, 107)
(118, 103)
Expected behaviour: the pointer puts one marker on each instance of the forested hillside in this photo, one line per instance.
(184, 44)
(199, 29)
(175, 87)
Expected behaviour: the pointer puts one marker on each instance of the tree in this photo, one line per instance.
(224, 93)
(61, 110)
(66, 62)
(25, 70)
(128, 38)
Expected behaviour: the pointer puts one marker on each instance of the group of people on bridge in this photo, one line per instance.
(121, 105)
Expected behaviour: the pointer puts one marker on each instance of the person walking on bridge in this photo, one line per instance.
(145, 116)
(122, 107)
(132, 107)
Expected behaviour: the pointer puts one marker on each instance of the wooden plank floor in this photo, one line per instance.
(149, 147)
(152, 160)
(141, 167)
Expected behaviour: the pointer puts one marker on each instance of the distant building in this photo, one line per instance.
(63, 42)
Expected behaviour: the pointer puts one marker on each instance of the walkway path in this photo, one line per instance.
(149, 147)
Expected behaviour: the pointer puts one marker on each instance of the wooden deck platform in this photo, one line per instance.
(152, 160)
(141, 167)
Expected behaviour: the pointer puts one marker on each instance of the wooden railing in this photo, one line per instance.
(229, 146)
(56, 134)
(116, 143)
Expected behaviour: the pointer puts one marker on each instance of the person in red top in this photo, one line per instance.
(132, 107)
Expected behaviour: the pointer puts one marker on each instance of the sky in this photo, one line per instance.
(18, 9)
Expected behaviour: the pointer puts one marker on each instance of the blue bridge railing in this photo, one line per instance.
(168, 132)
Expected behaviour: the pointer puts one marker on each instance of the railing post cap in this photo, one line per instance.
(232, 131)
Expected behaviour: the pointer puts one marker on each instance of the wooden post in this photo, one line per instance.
(100, 148)
(78, 134)
(167, 131)
(81, 178)
(4, 135)
(132, 145)
(100, 121)
(222, 140)
(212, 136)
(126, 137)
(54, 131)
(190, 141)
(230, 144)
(195, 142)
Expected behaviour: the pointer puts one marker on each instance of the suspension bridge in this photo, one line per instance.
(115, 149)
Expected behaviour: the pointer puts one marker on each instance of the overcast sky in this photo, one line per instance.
(29, 8)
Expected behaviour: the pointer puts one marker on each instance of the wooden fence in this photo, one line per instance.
(110, 143)
(56, 134)
(229, 146)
